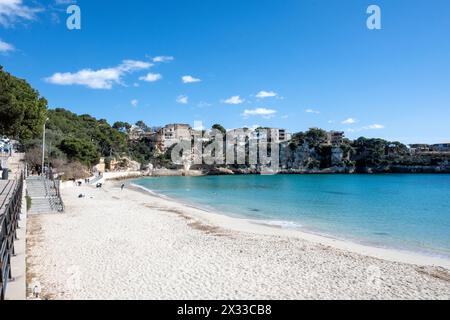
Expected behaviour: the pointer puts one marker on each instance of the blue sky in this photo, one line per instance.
(325, 66)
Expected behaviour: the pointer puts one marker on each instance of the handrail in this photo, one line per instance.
(96, 179)
(56, 185)
(9, 222)
(55, 197)
(52, 192)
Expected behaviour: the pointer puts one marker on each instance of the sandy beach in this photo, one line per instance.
(131, 244)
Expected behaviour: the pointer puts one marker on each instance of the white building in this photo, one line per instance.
(172, 134)
(441, 147)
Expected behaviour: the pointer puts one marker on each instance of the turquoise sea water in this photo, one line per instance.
(410, 212)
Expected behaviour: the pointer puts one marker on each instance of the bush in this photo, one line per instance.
(74, 171)
(80, 150)
(29, 201)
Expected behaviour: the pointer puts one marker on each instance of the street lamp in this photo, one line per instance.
(43, 148)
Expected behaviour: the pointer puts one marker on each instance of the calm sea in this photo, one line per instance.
(410, 212)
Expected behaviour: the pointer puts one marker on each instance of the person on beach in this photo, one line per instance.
(122, 186)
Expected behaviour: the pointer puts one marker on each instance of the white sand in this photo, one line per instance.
(129, 245)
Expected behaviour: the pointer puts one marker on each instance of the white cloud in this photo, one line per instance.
(370, 127)
(163, 59)
(134, 102)
(349, 121)
(189, 79)
(266, 94)
(183, 99)
(134, 65)
(198, 125)
(151, 77)
(6, 47)
(263, 112)
(98, 79)
(374, 127)
(13, 10)
(234, 100)
(312, 111)
(204, 104)
(285, 117)
(65, 1)
(253, 127)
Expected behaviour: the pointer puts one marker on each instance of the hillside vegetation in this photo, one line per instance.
(75, 143)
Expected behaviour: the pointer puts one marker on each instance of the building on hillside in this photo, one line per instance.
(239, 136)
(441, 147)
(172, 134)
(280, 135)
(101, 166)
(283, 135)
(272, 134)
(335, 138)
(136, 133)
(419, 147)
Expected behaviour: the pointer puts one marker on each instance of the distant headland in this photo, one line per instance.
(77, 145)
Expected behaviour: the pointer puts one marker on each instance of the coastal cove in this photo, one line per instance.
(164, 249)
(404, 212)
(233, 157)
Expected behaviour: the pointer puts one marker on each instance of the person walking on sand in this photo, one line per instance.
(122, 186)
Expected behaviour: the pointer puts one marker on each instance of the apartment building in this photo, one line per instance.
(335, 138)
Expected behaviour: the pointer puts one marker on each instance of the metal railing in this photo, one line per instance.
(58, 203)
(53, 192)
(96, 179)
(9, 222)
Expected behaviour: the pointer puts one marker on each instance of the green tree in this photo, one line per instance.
(83, 151)
(142, 150)
(107, 140)
(122, 126)
(22, 109)
(377, 152)
(219, 128)
(315, 137)
(141, 124)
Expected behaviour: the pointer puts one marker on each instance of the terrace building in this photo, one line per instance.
(273, 134)
(419, 147)
(172, 134)
(335, 138)
(441, 147)
(136, 133)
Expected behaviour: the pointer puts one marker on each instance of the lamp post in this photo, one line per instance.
(43, 148)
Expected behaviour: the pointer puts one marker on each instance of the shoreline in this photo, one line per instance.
(129, 244)
(253, 226)
(130, 175)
